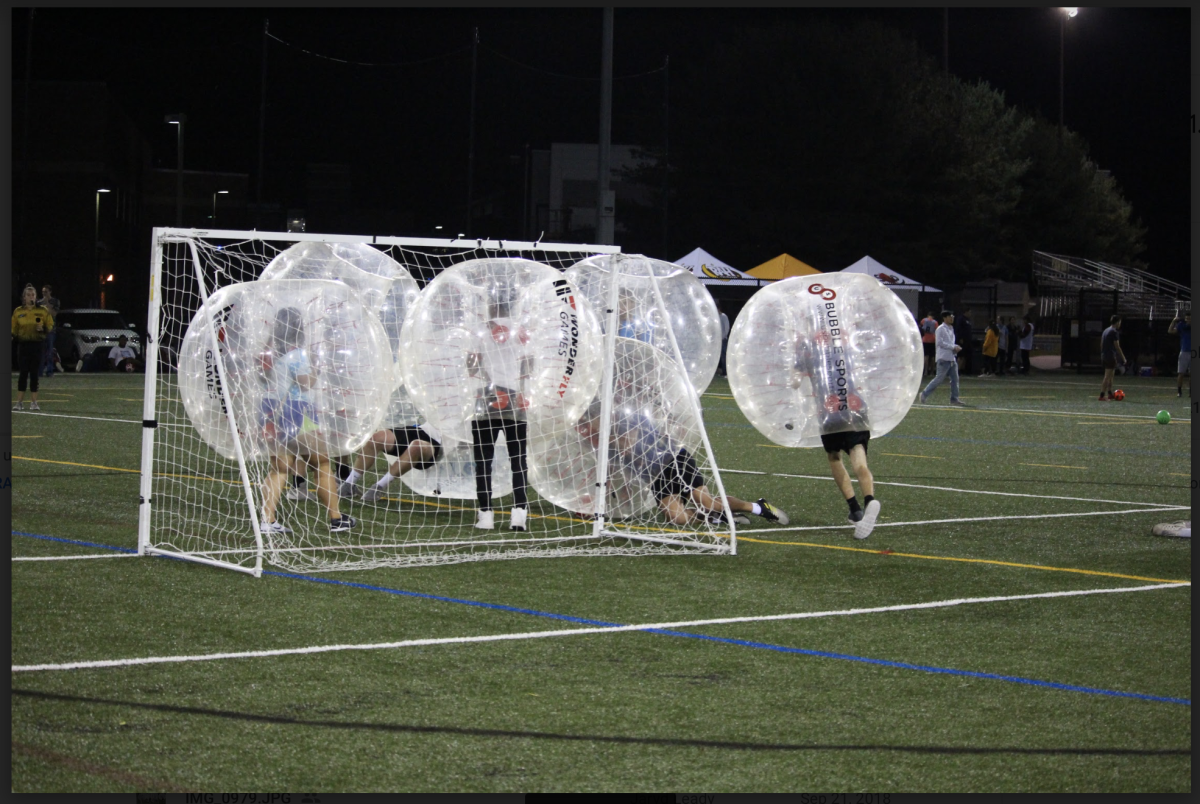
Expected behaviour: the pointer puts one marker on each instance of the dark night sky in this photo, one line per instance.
(404, 128)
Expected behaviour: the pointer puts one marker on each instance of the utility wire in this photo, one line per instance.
(563, 75)
(368, 63)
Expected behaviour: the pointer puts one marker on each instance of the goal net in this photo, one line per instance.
(326, 402)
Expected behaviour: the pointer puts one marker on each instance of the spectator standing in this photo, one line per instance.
(991, 345)
(1026, 344)
(30, 324)
(928, 326)
(724, 339)
(53, 305)
(1111, 356)
(947, 366)
(1001, 346)
(962, 336)
(1184, 330)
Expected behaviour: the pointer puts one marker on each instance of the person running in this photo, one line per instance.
(947, 366)
(1111, 356)
(1184, 330)
(30, 325)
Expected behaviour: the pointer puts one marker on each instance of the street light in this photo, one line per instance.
(96, 244)
(1067, 13)
(178, 120)
(217, 193)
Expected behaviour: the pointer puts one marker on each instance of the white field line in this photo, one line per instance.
(961, 491)
(987, 409)
(409, 643)
(86, 418)
(72, 558)
(964, 519)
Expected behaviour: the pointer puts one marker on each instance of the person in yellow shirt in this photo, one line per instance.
(30, 325)
(991, 348)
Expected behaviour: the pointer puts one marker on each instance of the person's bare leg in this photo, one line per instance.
(858, 462)
(676, 511)
(382, 441)
(840, 475)
(326, 486)
(281, 468)
(419, 453)
(707, 502)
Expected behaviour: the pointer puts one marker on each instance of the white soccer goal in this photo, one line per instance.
(212, 487)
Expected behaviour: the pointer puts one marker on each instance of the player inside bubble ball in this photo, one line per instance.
(290, 423)
(503, 363)
(637, 444)
(417, 447)
(842, 420)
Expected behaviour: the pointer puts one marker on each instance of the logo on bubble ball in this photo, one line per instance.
(822, 291)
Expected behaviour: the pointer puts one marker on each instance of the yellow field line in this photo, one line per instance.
(1053, 466)
(964, 560)
(69, 463)
(903, 455)
(1179, 474)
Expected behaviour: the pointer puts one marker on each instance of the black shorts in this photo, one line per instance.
(406, 435)
(930, 349)
(844, 442)
(1109, 362)
(678, 477)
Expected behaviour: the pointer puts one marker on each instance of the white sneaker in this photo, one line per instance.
(486, 520)
(34, 406)
(300, 493)
(1176, 529)
(79, 367)
(863, 527)
(373, 493)
(347, 490)
(519, 517)
(274, 527)
(17, 406)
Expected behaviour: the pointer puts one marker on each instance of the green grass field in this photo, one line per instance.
(1021, 686)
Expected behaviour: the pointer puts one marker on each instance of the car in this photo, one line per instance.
(82, 331)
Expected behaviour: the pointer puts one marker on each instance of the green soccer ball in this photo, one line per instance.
(1163, 417)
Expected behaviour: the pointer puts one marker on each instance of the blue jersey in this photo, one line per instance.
(644, 448)
(284, 373)
(1185, 336)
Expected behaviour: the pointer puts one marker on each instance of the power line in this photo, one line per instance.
(368, 63)
(564, 75)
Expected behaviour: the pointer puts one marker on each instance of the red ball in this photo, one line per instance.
(1118, 394)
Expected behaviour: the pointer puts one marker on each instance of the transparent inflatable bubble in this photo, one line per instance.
(810, 356)
(500, 337)
(651, 419)
(689, 306)
(453, 475)
(385, 285)
(307, 368)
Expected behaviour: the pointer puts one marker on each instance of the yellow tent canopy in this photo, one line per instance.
(782, 267)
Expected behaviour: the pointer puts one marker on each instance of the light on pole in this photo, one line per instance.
(1067, 13)
(217, 193)
(178, 120)
(96, 245)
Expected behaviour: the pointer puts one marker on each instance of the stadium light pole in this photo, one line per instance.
(217, 193)
(178, 120)
(96, 246)
(1067, 13)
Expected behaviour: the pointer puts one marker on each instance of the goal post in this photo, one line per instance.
(205, 477)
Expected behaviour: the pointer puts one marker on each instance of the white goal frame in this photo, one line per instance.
(607, 536)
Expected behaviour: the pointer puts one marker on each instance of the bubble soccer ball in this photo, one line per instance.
(650, 417)
(305, 363)
(453, 474)
(688, 308)
(385, 285)
(500, 337)
(815, 355)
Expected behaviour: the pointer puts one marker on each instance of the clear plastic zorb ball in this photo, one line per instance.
(816, 355)
(385, 285)
(687, 308)
(500, 338)
(306, 368)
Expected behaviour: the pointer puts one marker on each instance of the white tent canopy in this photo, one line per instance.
(893, 279)
(711, 271)
(907, 289)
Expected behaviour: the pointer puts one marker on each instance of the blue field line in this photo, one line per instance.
(724, 640)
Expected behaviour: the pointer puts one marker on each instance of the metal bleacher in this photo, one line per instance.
(1140, 294)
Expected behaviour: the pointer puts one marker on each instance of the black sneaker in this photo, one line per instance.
(855, 517)
(771, 513)
(341, 524)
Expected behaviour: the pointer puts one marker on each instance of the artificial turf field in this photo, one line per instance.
(1064, 666)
